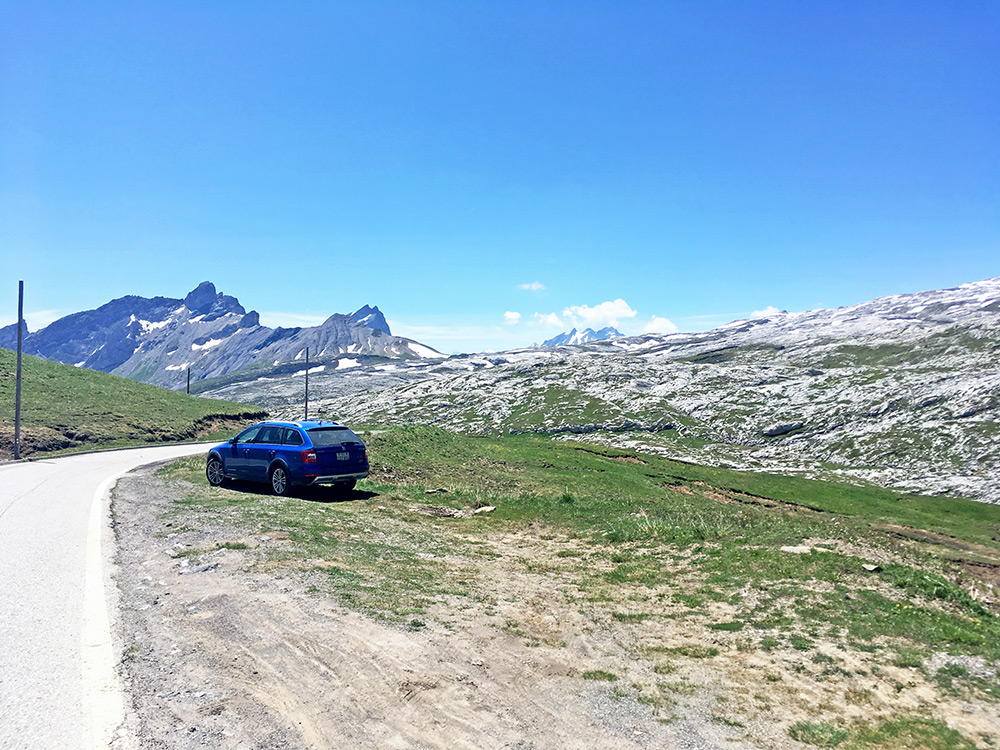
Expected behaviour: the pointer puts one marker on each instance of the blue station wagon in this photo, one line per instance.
(287, 454)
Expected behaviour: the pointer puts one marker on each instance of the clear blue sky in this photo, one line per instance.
(690, 161)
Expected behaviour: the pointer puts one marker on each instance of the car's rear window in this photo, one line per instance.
(292, 437)
(325, 437)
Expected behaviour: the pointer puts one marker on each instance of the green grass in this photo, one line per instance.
(727, 722)
(66, 408)
(906, 732)
(377, 565)
(630, 616)
(639, 533)
(818, 734)
(693, 651)
(599, 675)
(730, 626)
(954, 679)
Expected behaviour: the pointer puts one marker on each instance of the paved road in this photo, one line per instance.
(58, 688)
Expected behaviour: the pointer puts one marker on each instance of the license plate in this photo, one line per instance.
(345, 456)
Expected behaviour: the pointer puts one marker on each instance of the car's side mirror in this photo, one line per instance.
(232, 441)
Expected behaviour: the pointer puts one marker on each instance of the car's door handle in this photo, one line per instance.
(271, 454)
(246, 451)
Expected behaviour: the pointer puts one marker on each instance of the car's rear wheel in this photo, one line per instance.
(279, 481)
(214, 472)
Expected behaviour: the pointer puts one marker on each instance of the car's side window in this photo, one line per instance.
(248, 435)
(292, 437)
(270, 434)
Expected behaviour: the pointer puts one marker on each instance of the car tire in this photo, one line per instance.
(280, 483)
(214, 472)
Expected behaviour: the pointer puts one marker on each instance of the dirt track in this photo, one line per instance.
(226, 658)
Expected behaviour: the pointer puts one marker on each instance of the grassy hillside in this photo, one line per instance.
(64, 407)
(831, 612)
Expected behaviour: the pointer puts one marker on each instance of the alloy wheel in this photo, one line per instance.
(279, 481)
(214, 471)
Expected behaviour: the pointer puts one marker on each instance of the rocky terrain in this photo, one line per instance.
(903, 391)
(156, 340)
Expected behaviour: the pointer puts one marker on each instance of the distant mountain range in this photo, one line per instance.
(903, 391)
(156, 340)
(573, 337)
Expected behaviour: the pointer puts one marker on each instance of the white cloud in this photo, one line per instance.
(766, 312)
(534, 286)
(511, 318)
(657, 324)
(548, 319)
(605, 314)
(616, 313)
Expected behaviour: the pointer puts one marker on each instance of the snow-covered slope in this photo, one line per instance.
(903, 391)
(574, 337)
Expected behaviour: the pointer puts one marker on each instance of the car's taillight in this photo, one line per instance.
(366, 453)
(308, 457)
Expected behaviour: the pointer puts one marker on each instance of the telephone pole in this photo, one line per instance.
(17, 387)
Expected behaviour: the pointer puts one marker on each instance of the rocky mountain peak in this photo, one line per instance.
(201, 298)
(205, 300)
(157, 340)
(371, 317)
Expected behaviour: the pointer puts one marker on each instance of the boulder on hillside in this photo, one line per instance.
(782, 429)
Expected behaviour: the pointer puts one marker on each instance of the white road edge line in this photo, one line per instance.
(104, 698)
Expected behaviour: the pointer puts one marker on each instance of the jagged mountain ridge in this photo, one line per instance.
(157, 339)
(903, 391)
(574, 337)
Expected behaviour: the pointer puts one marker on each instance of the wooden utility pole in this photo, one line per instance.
(17, 387)
(189, 382)
(307, 384)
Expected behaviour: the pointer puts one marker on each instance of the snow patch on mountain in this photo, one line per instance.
(425, 351)
(574, 337)
(207, 345)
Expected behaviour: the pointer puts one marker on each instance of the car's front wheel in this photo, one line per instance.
(214, 472)
(279, 481)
